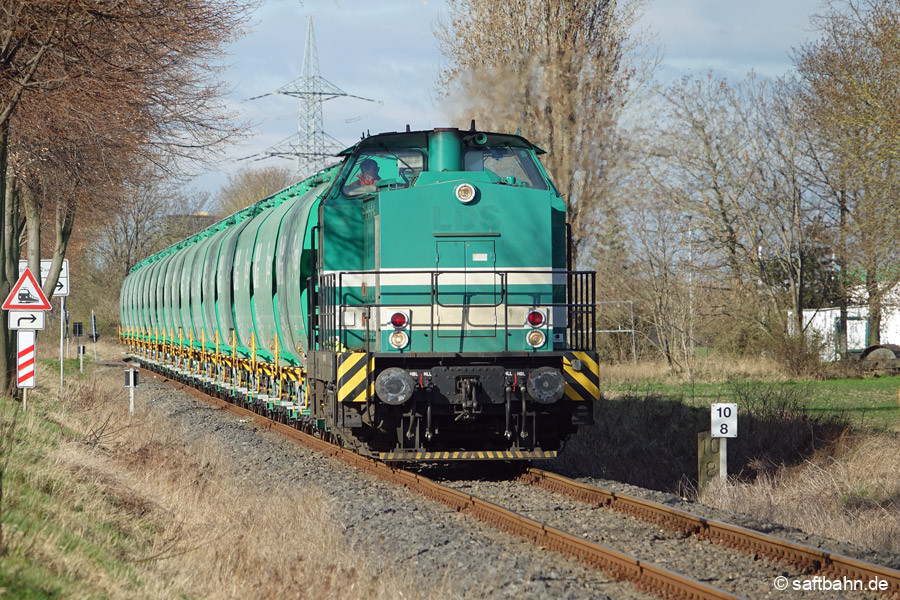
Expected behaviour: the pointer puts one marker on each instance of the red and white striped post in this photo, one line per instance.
(25, 363)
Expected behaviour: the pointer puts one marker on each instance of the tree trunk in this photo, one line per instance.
(798, 229)
(842, 283)
(5, 192)
(65, 220)
(9, 273)
(874, 302)
(33, 228)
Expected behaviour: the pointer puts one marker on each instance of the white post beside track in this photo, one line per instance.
(131, 381)
(62, 326)
(723, 460)
(723, 425)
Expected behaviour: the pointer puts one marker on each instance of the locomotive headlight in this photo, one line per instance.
(399, 339)
(465, 192)
(536, 338)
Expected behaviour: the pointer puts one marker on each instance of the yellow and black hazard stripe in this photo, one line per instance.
(266, 368)
(354, 376)
(468, 455)
(582, 375)
(292, 374)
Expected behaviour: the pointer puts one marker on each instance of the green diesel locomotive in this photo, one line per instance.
(416, 301)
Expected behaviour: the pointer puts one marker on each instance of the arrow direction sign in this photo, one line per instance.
(26, 295)
(62, 284)
(26, 319)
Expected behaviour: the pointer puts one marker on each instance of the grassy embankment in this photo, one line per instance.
(97, 504)
(823, 456)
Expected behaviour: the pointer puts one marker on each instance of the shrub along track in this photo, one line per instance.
(616, 564)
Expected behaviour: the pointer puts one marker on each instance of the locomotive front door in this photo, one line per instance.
(467, 291)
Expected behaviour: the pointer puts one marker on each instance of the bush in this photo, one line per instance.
(651, 440)
(801, 355)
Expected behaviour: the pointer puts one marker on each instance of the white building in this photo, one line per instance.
(825, 322)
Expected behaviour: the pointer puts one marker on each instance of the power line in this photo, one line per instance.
(311, 146)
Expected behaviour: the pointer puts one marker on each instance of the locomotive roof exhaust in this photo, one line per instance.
(445, 150)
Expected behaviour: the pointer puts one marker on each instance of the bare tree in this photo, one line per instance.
(851, 99)
(560, 70)
(248, 186)
(86, 88)
(728, 177)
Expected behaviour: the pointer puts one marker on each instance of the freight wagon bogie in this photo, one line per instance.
(415, 301)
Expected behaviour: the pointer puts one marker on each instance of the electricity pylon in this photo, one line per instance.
(312, 147)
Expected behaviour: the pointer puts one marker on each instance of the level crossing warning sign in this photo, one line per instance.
(26, 295)
(25, 359)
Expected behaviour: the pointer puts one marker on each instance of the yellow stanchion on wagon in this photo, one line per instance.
(277, 367)
(217, 356)
(191, 349)
(253, 359)
(235, 376)
(203, 359)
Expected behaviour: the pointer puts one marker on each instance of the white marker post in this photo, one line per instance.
(94, 335)
(723, 425)
(62, 327)
(131, 382)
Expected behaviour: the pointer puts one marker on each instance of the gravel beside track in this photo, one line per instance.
(884, 558)
(448, 555)
(698, 559)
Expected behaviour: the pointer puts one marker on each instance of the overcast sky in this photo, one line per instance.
(385, 50)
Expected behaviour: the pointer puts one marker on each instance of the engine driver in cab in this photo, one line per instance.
(365, 180)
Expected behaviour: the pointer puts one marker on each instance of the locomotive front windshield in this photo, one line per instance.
(396, 167)
(506, 162)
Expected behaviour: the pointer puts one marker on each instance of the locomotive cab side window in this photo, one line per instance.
(394, 167)
(505, 162)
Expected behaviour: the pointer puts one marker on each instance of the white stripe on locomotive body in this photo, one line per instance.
(451, 317)
(456, 276)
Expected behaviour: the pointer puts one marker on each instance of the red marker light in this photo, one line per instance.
(398, 319)
(535, 318)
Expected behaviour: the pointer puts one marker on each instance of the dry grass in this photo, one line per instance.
(128, 507)
(707, 370)
(849, 491)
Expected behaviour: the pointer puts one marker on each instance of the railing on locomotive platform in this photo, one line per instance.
(580, 306)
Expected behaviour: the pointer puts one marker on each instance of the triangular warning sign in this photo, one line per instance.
(26, 295)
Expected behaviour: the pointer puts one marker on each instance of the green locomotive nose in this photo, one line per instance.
(464, 231)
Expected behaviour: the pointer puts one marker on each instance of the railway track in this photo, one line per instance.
(810, 560)
(618, 565)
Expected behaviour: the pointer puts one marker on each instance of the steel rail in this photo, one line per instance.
(618, 565)
(809, 559)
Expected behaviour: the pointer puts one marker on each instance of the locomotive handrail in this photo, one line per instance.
(579, 304)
